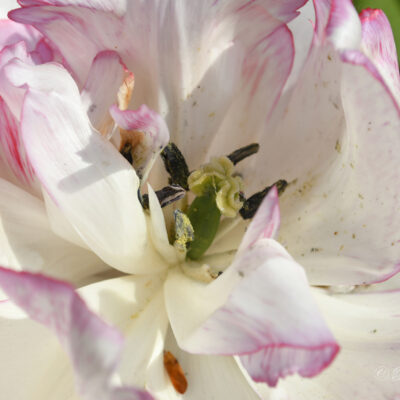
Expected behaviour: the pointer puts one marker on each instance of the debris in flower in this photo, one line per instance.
(129, 141)
(244, 152)
(251, 205)
(175, 372)
(184, 232)
(167, 195)
(176, 166)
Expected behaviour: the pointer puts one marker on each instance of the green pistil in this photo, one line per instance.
(204, 216)
(218, 193)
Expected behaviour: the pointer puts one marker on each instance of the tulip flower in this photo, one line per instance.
(233, 166)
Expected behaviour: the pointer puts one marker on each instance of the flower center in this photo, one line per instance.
(218, 194)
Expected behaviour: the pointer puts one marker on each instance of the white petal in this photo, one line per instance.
(89, 180)
(93, 346)
(27, 242)
(338, 219)
(31, 352)
(135, 305)
(302, 28)
(208, 377)
(106, 75)
(158, 229)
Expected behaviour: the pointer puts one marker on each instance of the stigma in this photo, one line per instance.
(216, 179)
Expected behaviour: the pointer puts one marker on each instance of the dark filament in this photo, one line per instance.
(251, 205)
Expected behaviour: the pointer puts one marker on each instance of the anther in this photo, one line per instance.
(244, 152)
(251, 205)
(176, 166)
(167, 195)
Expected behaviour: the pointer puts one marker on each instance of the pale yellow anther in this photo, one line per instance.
(215, 178)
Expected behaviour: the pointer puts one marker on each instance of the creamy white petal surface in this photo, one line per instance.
(320, 96)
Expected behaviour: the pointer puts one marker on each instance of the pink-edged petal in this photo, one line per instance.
(12, 33)
(265, 223)
(285, 9)
(27, 242)
(91, 183)
(112, 6)
(261, 309)
(226, 70)
(344, 26)
(155, 135)
(37, 46)
(93, 346)
(368, 328)
(105, 77)
(378, 44)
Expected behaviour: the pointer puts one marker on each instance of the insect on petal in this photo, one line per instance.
(175, 372)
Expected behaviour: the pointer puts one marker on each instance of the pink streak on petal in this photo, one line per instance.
(275, 362)
(265, 223)
(12, 149)
(144, 120)
(43, 52)
(94, 346)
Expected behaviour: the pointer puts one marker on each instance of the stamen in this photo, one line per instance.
(244, 152)
(251, 205)
(184, 232)
(175, 165)
(167, 195)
